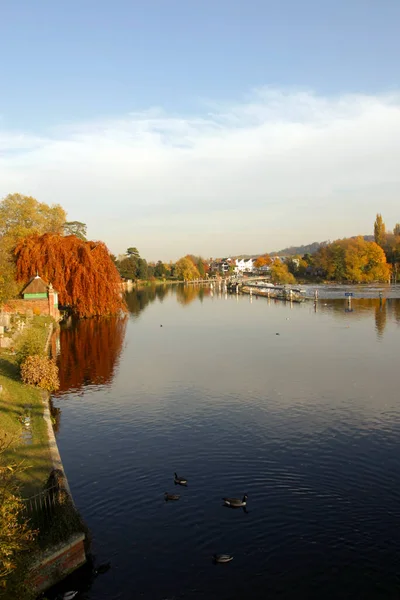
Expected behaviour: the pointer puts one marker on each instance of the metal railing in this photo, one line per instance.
(43, 505)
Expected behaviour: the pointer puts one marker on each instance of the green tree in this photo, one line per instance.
(141, 269)
(379, 231)
(133, 252)
(160, 270)
(396, 230)
(75, 228)
(127, 267)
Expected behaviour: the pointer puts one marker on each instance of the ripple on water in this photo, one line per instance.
(320, 463)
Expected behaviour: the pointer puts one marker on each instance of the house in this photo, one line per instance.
(220, 265)
(244, 265)
(38, 297)
(35, 289)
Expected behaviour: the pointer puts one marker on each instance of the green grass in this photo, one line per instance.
(14, 400)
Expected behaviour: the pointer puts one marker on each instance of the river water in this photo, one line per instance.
(297, 406)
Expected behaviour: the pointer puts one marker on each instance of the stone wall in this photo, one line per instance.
(61, 560)
(57, 563)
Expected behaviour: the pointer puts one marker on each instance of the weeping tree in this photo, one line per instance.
(82, 272)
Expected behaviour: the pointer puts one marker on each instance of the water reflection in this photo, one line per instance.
(89, 352)
(304, 422)
(185, 294)
(363, 308)
(138, 299)
(380, 318)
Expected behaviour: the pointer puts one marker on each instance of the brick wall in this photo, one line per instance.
(57, 563)
(41, 306)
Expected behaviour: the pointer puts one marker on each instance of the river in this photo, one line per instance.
(297, 406)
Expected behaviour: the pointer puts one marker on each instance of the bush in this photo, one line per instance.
(30, 343)
(40, 371)
(16, 534)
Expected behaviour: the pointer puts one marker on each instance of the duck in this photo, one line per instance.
(222, 558)
(171, 496)
(69, 595)
(235, 502)
(102, 569)
(180, 480)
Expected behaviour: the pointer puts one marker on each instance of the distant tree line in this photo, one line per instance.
(362, 259)
(132, 266)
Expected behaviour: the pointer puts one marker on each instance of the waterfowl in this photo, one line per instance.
(171, 496)
(102, 569)
(235, 502)
(180, 480)
(69, 595)
(222, 558)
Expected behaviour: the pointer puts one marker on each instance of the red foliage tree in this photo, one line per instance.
(82, 273)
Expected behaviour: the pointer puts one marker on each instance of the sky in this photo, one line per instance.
(211, 127)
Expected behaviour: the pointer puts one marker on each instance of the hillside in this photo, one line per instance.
(310, 248)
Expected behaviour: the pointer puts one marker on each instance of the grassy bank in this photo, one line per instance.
(18, 401)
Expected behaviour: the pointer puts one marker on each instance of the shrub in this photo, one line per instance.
(30, 343)
(16, 534)
(40, 371)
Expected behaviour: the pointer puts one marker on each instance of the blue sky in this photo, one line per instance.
(178, 126)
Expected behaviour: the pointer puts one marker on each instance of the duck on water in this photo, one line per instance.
(171, 496)
(235, 502)
(222, 558)
(180, 480)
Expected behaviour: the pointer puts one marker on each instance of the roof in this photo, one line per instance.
(35, 286)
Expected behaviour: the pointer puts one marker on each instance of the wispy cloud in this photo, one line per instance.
(277, 168)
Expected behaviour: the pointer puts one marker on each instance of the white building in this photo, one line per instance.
(243, 265)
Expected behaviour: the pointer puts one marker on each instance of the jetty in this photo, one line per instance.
(267, 290)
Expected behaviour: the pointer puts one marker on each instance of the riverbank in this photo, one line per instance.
(22, 411)
(26, 423)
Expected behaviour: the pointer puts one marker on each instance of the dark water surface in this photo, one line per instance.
(306, 422)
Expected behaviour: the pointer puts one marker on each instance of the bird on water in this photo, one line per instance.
(171, 496)
(69, 595)
(222, 558)
(235, 502)
(102, 569)
(180, 480)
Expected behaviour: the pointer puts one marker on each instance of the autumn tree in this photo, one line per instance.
(186, 270)
(8, 285)
(280, 273)
(396, 230)
(82, 272)
(353, 259)
(21, 216)
(199, 263)
(379, 231)
(75, 228)
(263, 261)
(365, 261)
